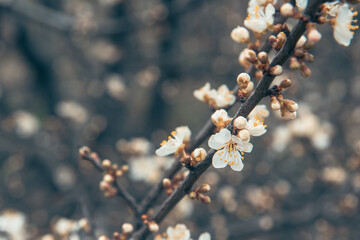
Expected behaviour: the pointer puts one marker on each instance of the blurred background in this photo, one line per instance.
(104, 73)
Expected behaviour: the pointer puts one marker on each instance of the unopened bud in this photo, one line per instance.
(204, 188)
(240, 122)
(103, 185)
(276, 70)
(294, 63)
(250, 87)
(119, 173)
(288, 115)
(272, 40)
(259, 75)
(243, 80)
(240, 34)
(127, 228)
(153, 226)
(291, 105)
(244, 135)
(275, 104)
(192, 195)
(263, 57)
(205, 199)
(242, 59)
(305, 71)
(281, 39)
(199, 154)
(308, 57)
(220, 118)
(125, 168)
(314, 36)
(287, 10)
(301, 41)
(168, 191)
(167, 183)
(251, 56)
(115, 166)
(108, 178)
(103, 237)
(83, 151)
(116, 236)
(106, 163)
(285, 83)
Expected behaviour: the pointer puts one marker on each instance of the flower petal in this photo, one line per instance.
(257, 131)
(243, 146)
(219, 158)
(223, 136)
(214, 144)
(238, 164)
(205, 236)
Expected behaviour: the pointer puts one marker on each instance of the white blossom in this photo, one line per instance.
(175, 142)
(180, 232)
(301, 3)
(255, 127)
(259, 19)
(343, 25)
(220, 98)
(229, 150)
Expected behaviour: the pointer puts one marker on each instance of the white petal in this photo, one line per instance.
(238, 164)
(219, 158)
(166, 150)
(223, 136)
(214, 144)
(257, 131)
(205, 236)
(301, 3)
(244, 146)
(269, 12)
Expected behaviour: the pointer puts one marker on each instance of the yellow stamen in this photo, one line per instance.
(163, 143)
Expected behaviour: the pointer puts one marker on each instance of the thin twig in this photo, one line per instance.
(121, 191)
(245, 109)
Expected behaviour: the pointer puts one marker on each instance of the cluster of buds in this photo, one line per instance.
(198, 193)
(288, 108)
(151, 224)
(278, 41)
(85, 153)
(171, 185)
(126, 230)
(112, 173)
(198, 155)
(245, 85)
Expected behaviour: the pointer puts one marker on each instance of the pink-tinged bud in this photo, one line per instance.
(287, 10)
(106, 163)
(291, 105)
(205, 199)
(167, 183)
(153, 226)
(127, 228)
(108, 178)
(192, 195)
(204, 188)
(244, 135)
(263, 57)
(199, 154)
(305, 71)
(276, 70)
(294, 63)
(314, 35)
(301, 41)
(103, 185)
(240, 122)
(240, 35)
(285, 83)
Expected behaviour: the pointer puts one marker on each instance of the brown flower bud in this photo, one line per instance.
(285, 83)
(308, 57)
(205, 199)
(281, 39)
(167, 183)
(294, 63)
(204, 188)
(263, 57)
(192, 195)
(251, 57)
(272, 40)
(84, 151)
(243, 80)
(291, 106)
(305, 71)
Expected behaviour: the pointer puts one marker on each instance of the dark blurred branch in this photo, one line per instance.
(121, 191)
(245, 109)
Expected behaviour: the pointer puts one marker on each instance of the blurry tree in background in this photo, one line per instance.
(118, 75)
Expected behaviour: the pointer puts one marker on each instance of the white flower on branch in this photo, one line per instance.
(180, 232)
(229, 150)
(256, 127)
(301, 4)
(259, 19)
(175, 143)
(220, 98)
(343, 28)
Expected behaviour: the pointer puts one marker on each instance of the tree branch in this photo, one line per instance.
(245, 109)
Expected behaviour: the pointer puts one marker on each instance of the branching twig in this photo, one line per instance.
(245, 109)
(121, 191)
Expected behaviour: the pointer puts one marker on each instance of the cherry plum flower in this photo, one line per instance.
(175, 143)
(343, 28)
(180, 232)
(260, 19)
(229, 148)
(220, 98)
